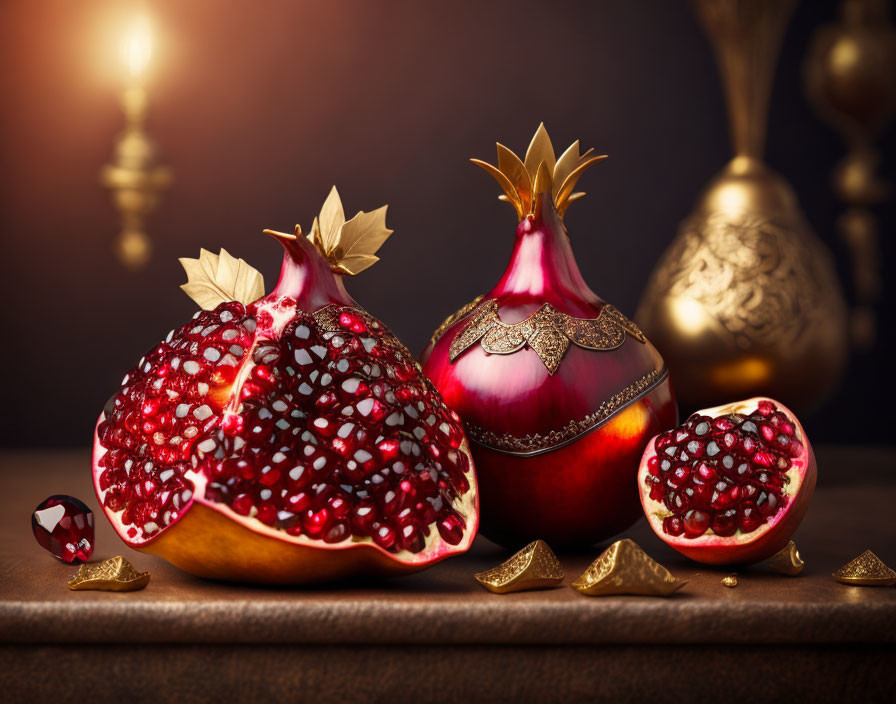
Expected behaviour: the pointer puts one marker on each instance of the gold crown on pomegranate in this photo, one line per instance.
(540, 172)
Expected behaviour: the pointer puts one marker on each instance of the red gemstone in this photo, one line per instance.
(64, 526)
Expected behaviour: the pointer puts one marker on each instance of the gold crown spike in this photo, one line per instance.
(540, 172)
(867, 570)
(349, 246)
(113, 575)
(534, 567)
(624, 568)
(787, 561)
(218, 278)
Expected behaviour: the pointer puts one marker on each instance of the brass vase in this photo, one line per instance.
(745, 301)
(851, 81)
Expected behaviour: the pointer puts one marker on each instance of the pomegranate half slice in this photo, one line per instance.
(731, 484)
(292, 439)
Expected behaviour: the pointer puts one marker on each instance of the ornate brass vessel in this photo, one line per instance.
(745, 300)
(851, 81)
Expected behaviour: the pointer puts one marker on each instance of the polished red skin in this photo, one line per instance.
(582, 492)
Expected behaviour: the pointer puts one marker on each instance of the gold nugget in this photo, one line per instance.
(866, 570)
(624, 568)
(534, 567)
(787, 561)
(730, 581)
(113, 575)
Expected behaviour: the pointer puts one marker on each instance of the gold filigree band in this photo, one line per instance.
(537, 443)
(453, 318)
(328, 320)
(547, 331)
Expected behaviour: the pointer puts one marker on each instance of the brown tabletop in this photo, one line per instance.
(442, 636)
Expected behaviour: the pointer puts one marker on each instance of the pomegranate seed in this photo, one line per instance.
(63, 526)
(327, 433)
(696, 523)
(451, 528)
(673, 525)
(710, 483)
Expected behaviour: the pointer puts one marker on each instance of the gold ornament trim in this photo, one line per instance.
(540, 172)
(547, 331)
(113, 575)
(534, 567)
(787, 561)
(537, 443)
(867, 570)
(730, 581)
(327, 318)
(624, 568)
(453, 318)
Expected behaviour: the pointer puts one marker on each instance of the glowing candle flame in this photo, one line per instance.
(138, 47)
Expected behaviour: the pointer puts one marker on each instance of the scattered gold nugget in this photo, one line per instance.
(787, 561)
(866, 570)
(113, 575)
(534, 567)
(730, 581)
(624, 568)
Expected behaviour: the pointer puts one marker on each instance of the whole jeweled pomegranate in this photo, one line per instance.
(286, 438)
(731, 484)
(559, 391)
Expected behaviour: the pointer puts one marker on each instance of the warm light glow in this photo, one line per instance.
(743, 375)
(690, 316)
(630, 423)
(138, 47)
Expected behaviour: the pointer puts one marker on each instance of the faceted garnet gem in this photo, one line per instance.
(64, 526)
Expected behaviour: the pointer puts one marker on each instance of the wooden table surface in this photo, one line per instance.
(438, 633)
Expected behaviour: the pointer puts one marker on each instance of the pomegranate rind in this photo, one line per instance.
(589, 481)
(211, 540)
(740, 548)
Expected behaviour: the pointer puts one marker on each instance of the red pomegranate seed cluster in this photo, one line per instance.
(335, 433)
(723, 474)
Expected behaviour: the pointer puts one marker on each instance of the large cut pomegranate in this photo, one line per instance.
(288, 439)
(558, 390)
(731, 484)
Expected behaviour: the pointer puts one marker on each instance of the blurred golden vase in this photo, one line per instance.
(745, 301)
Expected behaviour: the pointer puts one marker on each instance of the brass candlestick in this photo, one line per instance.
(851, 80)
(134, 177)
(745, 300)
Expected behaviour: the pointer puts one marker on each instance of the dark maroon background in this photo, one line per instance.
(261, 107)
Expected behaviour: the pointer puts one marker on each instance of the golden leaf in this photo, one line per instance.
(542, 181)
(534, 567)
(331, 219)
(511, 165)
(510, 191)
(867, 570)
(520, 180)
(570, 181)
(113, 575)
(787, 561)
(624, 568)
(540, 151)
(218, 278)
(565, 164)
(564, 206)
(349, 246)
